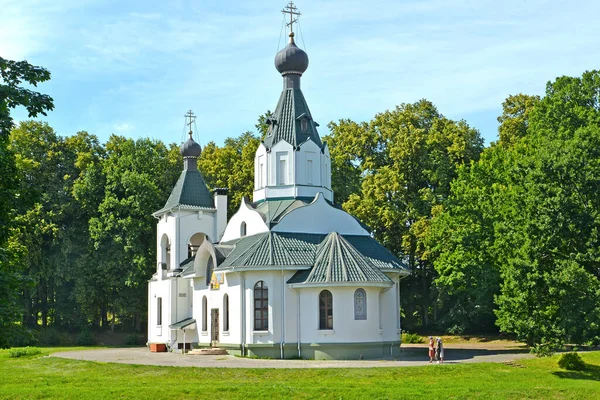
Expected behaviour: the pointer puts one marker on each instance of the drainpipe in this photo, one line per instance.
(176, 254)
(298, 321)
(243, 312)
(282, 341)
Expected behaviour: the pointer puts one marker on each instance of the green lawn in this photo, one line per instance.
(42, 377)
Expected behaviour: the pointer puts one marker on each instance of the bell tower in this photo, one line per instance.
(292, 161)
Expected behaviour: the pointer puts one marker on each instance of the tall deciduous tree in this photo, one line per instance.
(231, 166)
(12, 94)
(138, 176)
(406, 158)
(519, 235)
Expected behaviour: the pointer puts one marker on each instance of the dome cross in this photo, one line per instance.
(192, 118)
(291, 9)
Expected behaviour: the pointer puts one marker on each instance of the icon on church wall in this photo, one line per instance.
(216, 280)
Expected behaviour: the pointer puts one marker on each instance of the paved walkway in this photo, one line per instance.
(412, 356)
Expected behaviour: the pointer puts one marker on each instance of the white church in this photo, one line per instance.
(290, 275)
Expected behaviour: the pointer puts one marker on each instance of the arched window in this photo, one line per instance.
(165, 248)
(261, 306)
(243, 229)
(194, 243)
(225, 313)
(204, 314)
(209, 271)
(360, 304)
(325, 310)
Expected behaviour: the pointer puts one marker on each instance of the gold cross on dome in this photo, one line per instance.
(192, 118)
(292, 10)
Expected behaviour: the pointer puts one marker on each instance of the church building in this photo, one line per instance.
(290, 274)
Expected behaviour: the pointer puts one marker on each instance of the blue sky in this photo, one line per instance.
(134, 68)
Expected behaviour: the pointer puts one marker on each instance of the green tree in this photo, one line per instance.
(514, 120)
(551, 290)
(231, 166)
(406, 159)
(519, 234)
(346, 173)
(137, 177)
(12, 94)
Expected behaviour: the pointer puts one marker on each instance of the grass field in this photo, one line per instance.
(43, 377)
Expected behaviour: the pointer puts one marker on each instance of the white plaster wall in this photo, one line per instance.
(345, 327)
(390, 313)
(308, 149)
(221, 216)
(166, 225)
(261, 154)
(253, 220)
(191, 223)
(162, 288)
(180, 227)
(281, 146)
(320, 217)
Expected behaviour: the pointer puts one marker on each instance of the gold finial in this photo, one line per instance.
(292, 10)
(192, 118)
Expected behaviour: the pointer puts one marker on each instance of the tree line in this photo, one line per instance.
(502, 238)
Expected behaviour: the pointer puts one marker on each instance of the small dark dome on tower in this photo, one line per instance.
(190, 148)
(291, 59)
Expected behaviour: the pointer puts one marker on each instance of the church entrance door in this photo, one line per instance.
(214, 327)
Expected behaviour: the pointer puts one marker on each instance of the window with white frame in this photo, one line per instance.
(204, 314)
(159, 311)
(325, 310)
(261, 306)
(225, 313)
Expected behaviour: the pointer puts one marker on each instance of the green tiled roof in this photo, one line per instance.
(190, 192)
(286, 121)
(187, 266)
(273, 210)
(360, 257)
(338, 261)
(270, 249)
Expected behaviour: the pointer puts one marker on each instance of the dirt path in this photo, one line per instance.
(413, 355)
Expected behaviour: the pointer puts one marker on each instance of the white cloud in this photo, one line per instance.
(123, 127)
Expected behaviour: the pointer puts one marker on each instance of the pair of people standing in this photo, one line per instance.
(436, 350)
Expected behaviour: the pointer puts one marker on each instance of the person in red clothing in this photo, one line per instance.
(431, 349)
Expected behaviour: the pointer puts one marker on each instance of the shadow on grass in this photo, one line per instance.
(591, 372)
(420, 354)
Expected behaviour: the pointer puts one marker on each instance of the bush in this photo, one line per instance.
(22, 337)
(134, 339)
(52, 337)
(571, 362)
(411, 338)
(85, 338)
(23, 352)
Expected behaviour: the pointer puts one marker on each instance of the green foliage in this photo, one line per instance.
(23, 352)
(519, 236)
(85, 338)
(134, 339)
(514, 120)
(231, 166)
(571, 362)
(403, 161)
(411, 338)
(12, 75)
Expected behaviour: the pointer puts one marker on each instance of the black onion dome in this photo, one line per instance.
(291, 59)
(190, 148)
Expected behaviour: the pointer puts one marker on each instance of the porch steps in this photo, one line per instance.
(214, 351)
